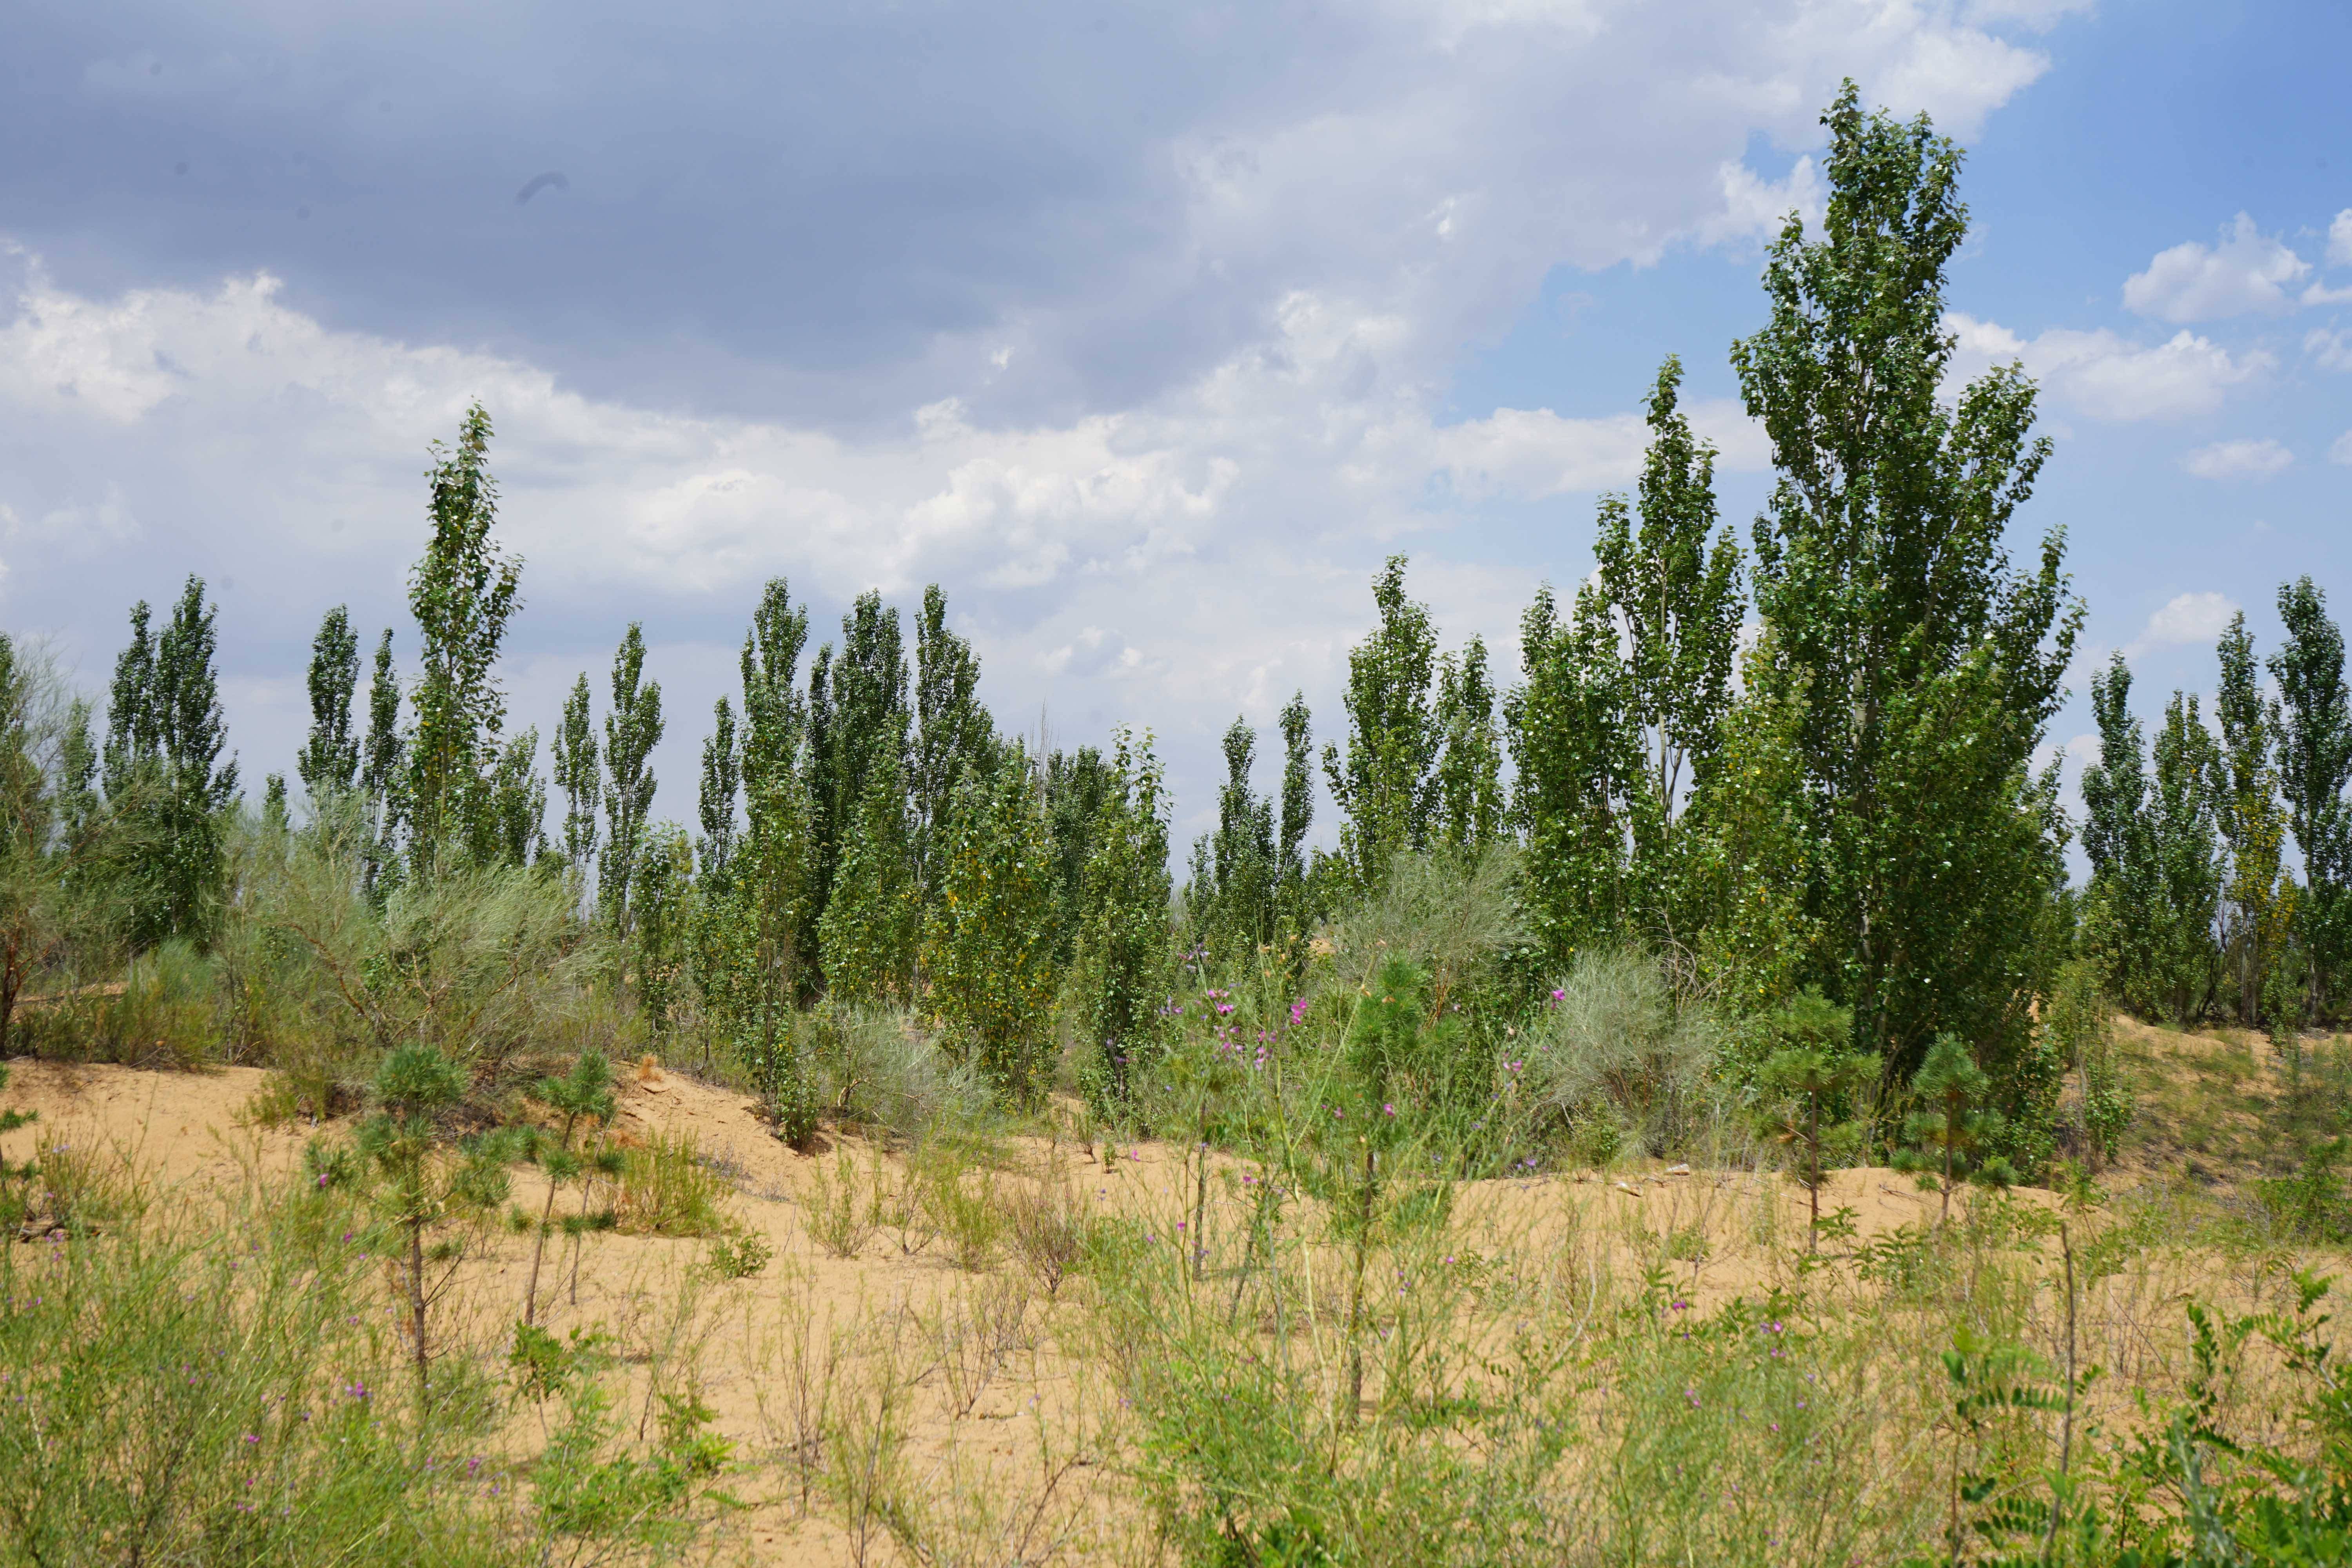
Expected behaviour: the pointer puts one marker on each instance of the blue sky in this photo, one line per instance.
(1147, 333)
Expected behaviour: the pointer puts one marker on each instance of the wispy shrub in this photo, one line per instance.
(879, 1068)
(1613, 1042)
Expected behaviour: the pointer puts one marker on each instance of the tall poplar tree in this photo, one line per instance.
(579, 775)
(857, 711)
(2121, 913)
(954, 736)
(163, 772)
(1466, 808)
(328, 762)
(463, 593)
(2258, 898)
(1928, 667)
(1297, 798)
(2184, 807)
(384, 771)
(631, 729)
(1231, 901)
(2314, 766)
(722, 780)
(1124, 947)
(1381, 781)
(868, 932)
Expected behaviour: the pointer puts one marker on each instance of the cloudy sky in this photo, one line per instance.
(1147, 333)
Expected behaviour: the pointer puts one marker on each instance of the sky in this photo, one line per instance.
(1147, 333)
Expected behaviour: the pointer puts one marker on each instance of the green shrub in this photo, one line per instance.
(1614, 1043)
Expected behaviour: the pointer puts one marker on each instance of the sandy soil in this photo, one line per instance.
(1000, 1407)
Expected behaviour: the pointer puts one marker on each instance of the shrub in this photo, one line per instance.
(1613, 1042)
(879, 1068)
(668, 1189)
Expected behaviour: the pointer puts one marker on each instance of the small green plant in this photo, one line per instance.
(2312, 1204)
(1812, 1070)
(966, 1212)
(583, 1094)
(419, 1189)
(668, 1189)
(742, 1258)
(1949, 1129)
(838, 1218)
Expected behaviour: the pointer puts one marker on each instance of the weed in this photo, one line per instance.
(665, 1189)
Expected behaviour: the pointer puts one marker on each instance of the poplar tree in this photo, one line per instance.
(1576, 764)
(755, 930)
(1621, 718)
(1124, 946)
(722, 780)
(328, 762)
(165, 733)
(510, 827)
(988, 943)
(2188, 859)
(662, 900)
(1928, 667)
(463, 593)
(868, 932)
(1381, 781)
(631, 729)
(2314, 766)
(1467, 805)
(579, 775)
(954, 736)
(384, 767)
(2258, 898)
(1297, 798)
(1673, 585)
(858, 711)
(1077, 786)
(2121, 912)
(1231, 902)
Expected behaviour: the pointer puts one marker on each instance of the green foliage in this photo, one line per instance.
(631, 729)
(328, 762)
(1811, 1068)
(165, 775)
(722, 780)
(857, 711)
(660, 942)
(1381, 783)
(954, 737)
(1947, 1135)
(988, 943)
(2078, 1021)
(1229, 905)
(870, 931)
(1124, 978)
(2258, 898)
(1615, 1044)
(2314, 722)
(384, 772)
(463, 593)
(578, 776)
(1927, 669)
(1466, 804)
(1077, 785)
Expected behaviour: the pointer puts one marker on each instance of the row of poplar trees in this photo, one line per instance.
(2194, 912)
(1848, 804)
(1844, 802)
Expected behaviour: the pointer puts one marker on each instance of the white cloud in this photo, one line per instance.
(2333, 350)
(2109, 378)
(2039, 15)
(2246, 459)
(2339, 240)
(2340, 451)
(2186, 619)
(2247, 271)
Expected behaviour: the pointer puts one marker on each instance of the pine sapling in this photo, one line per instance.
(586, 1091)
(1950, 1129)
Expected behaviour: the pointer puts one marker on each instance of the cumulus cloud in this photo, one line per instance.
(2185, 618)
(2340, 451)
(2339, 240)
(2247, 458)
(2247, 271)
(2109, 378)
